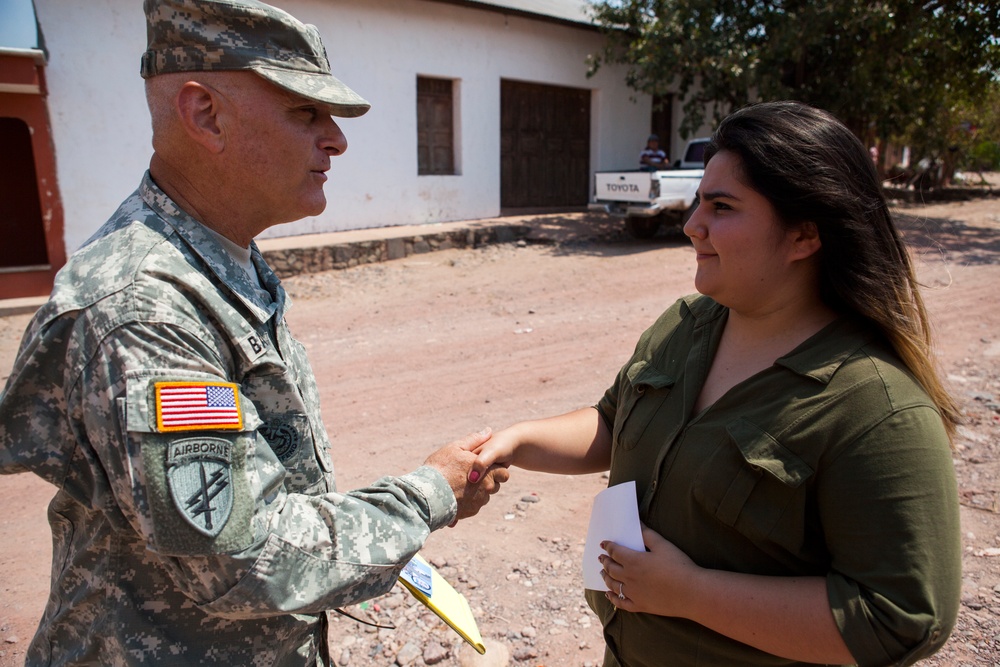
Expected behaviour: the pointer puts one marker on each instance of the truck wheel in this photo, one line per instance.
(642, 228)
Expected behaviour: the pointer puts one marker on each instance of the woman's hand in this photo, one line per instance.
(648, 581)
(574, 443)
(497, 451)
(786, 616)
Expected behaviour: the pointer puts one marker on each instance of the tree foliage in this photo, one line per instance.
(964, 134)
(884, 68)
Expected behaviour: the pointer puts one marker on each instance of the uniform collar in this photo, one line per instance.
(202, 243)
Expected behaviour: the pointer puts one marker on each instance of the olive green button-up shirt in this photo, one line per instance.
(832, 462)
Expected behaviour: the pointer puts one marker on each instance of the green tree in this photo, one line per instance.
(964, 134)
(883, 68)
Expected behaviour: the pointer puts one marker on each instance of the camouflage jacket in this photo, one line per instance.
(196, 519)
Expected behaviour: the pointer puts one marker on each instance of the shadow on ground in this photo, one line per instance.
(964, 242)
(597, 234)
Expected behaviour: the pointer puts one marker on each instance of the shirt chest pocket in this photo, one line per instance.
(751, 483)
(645, 388)
(287, 428)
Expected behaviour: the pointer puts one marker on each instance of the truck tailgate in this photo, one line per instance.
(682, 183)
(628, 186)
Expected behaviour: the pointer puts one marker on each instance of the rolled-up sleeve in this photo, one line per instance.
(890, 515)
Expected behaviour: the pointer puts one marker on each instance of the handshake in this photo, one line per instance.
(472, 487)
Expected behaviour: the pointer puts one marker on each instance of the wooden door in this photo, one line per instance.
(544, 146)
(661, 121)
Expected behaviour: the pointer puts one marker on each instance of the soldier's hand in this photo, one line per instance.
(455, 460)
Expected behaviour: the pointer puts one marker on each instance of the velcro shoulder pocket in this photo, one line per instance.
(191, 436)
(157, 403)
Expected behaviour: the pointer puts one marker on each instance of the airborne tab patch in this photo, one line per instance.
(198, 406)
(200, 476)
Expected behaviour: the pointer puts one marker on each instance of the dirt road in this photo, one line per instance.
(414, 352)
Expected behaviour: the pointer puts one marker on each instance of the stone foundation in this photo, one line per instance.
(293, 261)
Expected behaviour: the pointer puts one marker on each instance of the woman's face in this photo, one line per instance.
(745, 256)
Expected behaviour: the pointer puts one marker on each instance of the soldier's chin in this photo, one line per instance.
(313, 207)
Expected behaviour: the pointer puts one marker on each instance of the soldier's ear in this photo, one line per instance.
(199, 107)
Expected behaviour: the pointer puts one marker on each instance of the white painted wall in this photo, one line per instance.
(378, 47)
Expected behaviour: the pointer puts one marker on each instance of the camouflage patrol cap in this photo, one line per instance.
(216, 35)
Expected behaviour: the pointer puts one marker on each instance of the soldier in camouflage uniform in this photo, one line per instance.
(196, 519)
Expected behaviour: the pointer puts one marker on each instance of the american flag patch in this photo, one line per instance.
(197, 406)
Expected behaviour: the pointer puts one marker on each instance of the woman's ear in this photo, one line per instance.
(199, 107)
(805, 240)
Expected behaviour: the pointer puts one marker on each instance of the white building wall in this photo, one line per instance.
(378, 47)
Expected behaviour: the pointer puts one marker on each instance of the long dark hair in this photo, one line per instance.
(813, 169)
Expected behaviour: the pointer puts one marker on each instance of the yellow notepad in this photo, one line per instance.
(424, 582)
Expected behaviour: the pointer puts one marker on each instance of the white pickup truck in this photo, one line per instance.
(648, 199)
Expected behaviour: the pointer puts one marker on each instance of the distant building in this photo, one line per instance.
(478, 108)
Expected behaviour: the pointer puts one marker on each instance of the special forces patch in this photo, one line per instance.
(200, 476)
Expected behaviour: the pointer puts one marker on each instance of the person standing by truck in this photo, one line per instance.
(652, 157)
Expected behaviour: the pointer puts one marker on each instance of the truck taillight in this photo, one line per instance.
(654, 188)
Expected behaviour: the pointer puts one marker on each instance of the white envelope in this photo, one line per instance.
(614, 517)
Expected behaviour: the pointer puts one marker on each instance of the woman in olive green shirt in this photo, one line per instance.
(786, 430)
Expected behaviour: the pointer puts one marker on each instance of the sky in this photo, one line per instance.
(18, 29)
